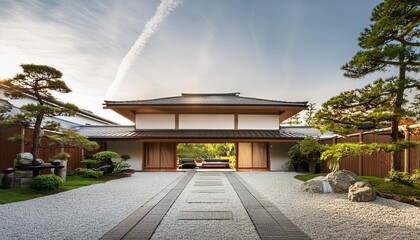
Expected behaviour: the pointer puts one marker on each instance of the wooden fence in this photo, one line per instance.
(9, 149)
(377, 164)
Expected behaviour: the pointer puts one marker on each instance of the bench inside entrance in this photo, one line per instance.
(215, 163)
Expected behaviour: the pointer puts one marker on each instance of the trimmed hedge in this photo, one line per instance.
(46, 182)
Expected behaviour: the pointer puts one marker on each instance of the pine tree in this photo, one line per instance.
(390, 43)
(39, 81)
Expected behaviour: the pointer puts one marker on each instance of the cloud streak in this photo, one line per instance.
(165, 8)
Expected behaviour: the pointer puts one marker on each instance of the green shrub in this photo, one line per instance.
(89, 173)
(106, 155)
(119, 166)
(46, 182)
(125, 157)
(90, 163)
(61, 156)
(416, 175)
(400, 177)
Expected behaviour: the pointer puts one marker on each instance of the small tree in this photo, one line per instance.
(294, 120)
(306, 152)
(310, 113)
(392, 41)
(40, 81)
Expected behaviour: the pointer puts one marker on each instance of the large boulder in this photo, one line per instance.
(316, 185)
(341, 180)
(361, 191)
(24, 159)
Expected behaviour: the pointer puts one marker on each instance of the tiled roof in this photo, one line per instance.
(207, 99)
(128, 132)
(307, 131)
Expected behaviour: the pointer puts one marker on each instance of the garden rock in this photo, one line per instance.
(361, 191)
(315, 185)
(37, 162)
(24, 159)
(341, 180)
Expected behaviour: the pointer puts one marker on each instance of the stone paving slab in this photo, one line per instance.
(207, 200)
(209, 190)
(268, 219)
(205, 215)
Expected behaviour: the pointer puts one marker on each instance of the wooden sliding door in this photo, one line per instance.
(160, 156)
(252, 156)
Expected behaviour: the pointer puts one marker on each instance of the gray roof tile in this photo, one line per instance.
(128, 132)
(207, 99)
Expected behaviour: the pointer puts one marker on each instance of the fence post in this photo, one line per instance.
(406, 151)
(360, 168)
(22, 141)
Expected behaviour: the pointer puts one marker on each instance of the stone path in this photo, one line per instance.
(207, 205)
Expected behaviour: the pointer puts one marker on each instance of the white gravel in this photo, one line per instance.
(240, 227)
(90, 212)
(332, 216)
(83, 213)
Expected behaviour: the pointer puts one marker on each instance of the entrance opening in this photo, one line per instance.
(206, 156)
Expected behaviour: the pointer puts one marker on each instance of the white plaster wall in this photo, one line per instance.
(266, 122)
(134, 149)
(278, 156)
(155, 121)
(206, 121)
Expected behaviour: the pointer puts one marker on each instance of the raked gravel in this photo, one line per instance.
(84, 213)
(89, 212)
(332, 216)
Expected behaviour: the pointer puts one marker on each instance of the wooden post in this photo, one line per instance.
(22, 141)
(360, 156)
(407, 152)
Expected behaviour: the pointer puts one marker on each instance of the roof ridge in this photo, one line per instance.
(143, 100)
(209, 94)
(271, 100)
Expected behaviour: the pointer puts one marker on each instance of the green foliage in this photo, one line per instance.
(125, 157)
(401, 177)
(305, 152)
(211, 150)
(372, 104)
(310, 114)
(416, 175)
(391, 41)
(39, 81)
(106, 155)
(70, 138)
(119, 166)
(91, 162)
(46, 182)
(334, 153)
(294, 120)
(89, 173)
(61, 156)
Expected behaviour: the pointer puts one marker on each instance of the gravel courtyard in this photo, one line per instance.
(89, 212)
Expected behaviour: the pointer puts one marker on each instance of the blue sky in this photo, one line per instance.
(289, 50)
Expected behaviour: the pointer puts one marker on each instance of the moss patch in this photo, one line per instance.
(307, 177)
